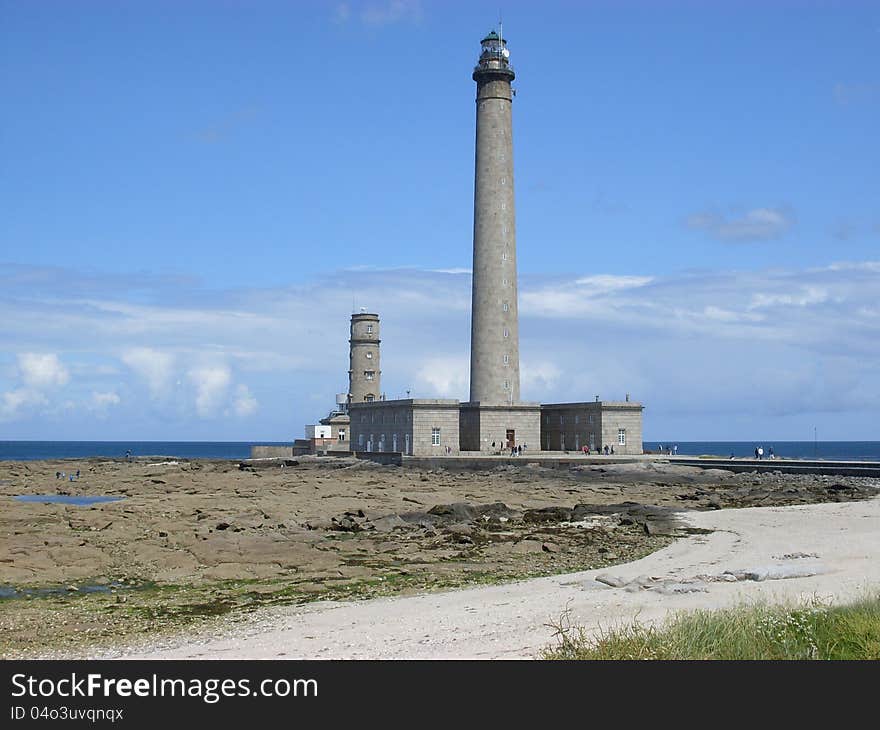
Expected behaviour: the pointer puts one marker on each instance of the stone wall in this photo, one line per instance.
(271, 452)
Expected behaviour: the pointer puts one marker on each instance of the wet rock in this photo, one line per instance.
(548, 514)
(495, 510)
(222, 526)
(457, 512)
(345, 524)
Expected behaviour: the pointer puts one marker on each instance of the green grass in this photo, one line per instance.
(812, 631)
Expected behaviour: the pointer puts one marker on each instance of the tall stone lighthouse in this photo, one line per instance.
(494, 328)
(495, 414)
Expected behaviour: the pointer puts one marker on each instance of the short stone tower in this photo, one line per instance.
(494, 320)
(364, 373)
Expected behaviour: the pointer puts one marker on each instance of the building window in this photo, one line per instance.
(561, 420)
(360, 439)
(363, 418)
(505, 307)
(591, 419)
(369, 329)
(368, 374)
(369, 356)
(507, 359)
(341, 435)
(504, 181)
(435, 437)
(506, 332)
(504, 257)
(621, 436)
(504, 206)
(369, 399)
(506, 385)
(547, 419)
(504, 282)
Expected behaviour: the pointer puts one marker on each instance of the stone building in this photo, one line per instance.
(412, 426)
(597, 424)
(333, 433)
(364, 373)
(494, 418)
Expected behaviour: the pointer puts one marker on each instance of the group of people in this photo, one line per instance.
(63, 475)
(607, 450)
(514, 450)
(759, 452)
(669, 450)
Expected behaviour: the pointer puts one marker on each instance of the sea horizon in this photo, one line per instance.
(31, 450)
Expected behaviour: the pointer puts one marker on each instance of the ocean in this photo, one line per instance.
(33, 450)
(828, 450)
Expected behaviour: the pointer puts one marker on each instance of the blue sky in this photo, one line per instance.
(193, 194)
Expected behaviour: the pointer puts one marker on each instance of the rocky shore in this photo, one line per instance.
(191, 541)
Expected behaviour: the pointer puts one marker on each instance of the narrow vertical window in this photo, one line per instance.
(435, 437)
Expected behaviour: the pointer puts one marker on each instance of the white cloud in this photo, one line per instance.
(13, 402)
(538, 378)
(604, 283)
(212, 385)
(709, 344)
(154, 366)
(379, 14)
(803, 298)
(100, 403)
(41, 372)
(444, 377)
(244, 404)
(753, 225)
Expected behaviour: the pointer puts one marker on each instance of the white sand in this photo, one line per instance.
(840, 542)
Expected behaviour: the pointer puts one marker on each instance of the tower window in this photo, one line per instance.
(369, 356)
(506, 332)
(504, 282)
(368, 374)
(504, 206)
(506, 385)
(504, 256)
(507, 359)
(369, 329)
(505, 306)
(504, 181)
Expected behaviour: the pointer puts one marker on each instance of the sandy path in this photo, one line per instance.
(509, 621)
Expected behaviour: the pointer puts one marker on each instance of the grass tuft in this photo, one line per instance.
(815, 630)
